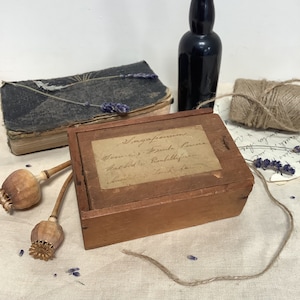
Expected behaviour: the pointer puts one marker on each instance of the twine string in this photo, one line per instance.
(273, 106)
(53, 96)
(276, 255)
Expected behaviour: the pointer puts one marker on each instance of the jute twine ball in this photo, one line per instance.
(266, 104)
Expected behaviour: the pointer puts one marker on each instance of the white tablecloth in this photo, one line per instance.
(242, 245)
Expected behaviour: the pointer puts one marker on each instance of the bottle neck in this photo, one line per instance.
(202, 16)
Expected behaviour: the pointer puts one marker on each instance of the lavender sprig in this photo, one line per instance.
(140, 75)
(112, 107)
(115, 108)
(275, 165)
(51, 88)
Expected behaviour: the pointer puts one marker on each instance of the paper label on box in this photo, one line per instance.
(159, 155)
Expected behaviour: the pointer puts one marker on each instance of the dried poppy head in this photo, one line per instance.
(46, 237)
(21, 189)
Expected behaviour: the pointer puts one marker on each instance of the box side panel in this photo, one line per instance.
(185, 211)
(79, 180)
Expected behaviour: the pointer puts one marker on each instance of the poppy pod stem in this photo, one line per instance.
(60, 197)
(45, 174)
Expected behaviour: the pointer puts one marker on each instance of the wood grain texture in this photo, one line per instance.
(114, 215)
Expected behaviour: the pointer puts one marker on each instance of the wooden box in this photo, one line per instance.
(139, 177)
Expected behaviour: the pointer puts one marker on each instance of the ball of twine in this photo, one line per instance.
(266, 104)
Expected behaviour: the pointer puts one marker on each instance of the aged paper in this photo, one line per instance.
(148, 157)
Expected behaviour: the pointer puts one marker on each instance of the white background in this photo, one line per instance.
(43, 39)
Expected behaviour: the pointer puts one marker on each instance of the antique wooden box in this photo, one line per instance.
(139, 177)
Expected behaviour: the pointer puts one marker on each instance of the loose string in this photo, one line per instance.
(259, 103)
(276, 255)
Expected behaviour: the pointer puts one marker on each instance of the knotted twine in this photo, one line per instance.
(278, 251)
(258, 104)
(265, 104)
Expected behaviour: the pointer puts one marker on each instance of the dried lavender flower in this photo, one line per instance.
(107, 107)
(140, 75)
(112, 107)
(192, 257)
(121, 108)
(74, 271)
(296, 149)
(274, 165)
(288, 169)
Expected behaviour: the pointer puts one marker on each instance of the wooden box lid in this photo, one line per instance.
(139, 177)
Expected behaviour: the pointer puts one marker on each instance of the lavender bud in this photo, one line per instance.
(72, 270)
(140, 75)
(257, 162)
(192, 257)
(107, 107)
(296, 149)
(76, 274)
(276, 165)
(119, 108)
(265, 163)
(288, 169)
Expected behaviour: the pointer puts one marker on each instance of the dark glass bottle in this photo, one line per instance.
(200, 52)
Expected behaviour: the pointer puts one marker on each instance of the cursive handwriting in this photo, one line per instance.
(169, 157)
(159, 149)
(149, 140)
(111, 156)
(153, 156)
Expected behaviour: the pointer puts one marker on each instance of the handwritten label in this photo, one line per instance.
(148, 157)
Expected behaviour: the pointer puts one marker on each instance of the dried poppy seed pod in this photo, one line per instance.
(46, 237)
(21, 189)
